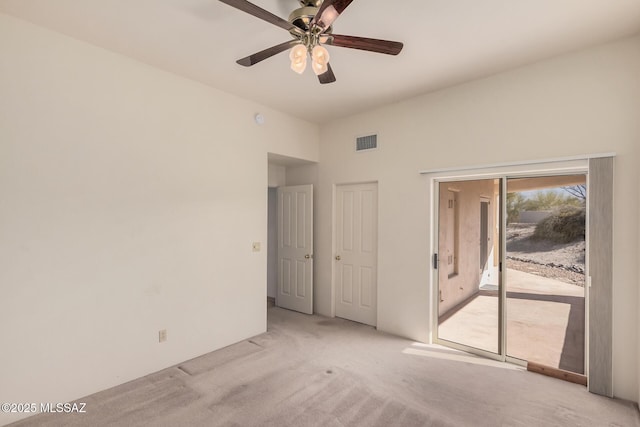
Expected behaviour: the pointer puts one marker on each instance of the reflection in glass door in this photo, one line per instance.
(468, 277)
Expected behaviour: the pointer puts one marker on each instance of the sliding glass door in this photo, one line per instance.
(510, 269)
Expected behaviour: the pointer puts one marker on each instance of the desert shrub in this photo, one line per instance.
(564, 225)
(515, 203)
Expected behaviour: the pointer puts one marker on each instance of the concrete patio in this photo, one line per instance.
(545, 321)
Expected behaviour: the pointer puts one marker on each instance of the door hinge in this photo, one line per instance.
(435, 261)
(500, 266)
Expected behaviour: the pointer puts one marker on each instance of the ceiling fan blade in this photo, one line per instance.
(327, 76)
(329, 12)
(267, 53)
(363, 43)
(258, 12)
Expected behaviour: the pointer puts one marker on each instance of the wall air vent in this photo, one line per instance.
(369, 142)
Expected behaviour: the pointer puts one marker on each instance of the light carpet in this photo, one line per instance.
(316, 371)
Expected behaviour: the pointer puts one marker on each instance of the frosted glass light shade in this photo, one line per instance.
(298, 56)
(320, 57)
(320, 54)
(297, 52)
(299, 65)
(319, 67)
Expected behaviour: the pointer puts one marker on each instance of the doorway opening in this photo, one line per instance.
(290, 233)
(272, 245)
(511, 268)
(290, 248)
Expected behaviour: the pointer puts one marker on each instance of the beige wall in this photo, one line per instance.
(129, 200)
(587, 102)
(277, 175)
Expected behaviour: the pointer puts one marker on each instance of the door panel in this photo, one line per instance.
(366, 277)
(545, 263)
(356, 252)
(469, 304)
(295, 248)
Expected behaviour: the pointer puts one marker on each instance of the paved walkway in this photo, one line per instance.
(545, 321)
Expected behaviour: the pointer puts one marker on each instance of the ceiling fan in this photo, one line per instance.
(311, 28)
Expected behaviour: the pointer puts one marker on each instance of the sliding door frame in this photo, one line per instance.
(503, 173)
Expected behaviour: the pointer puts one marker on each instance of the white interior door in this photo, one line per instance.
(295, 248)
(356, 268)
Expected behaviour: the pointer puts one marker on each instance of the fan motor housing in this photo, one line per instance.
(302, 17)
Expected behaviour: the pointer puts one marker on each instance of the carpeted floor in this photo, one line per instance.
(315, 371)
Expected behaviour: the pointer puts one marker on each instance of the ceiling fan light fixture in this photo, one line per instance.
(320, 54)
(298, 56)
(320, 59)
(297, 52)
(299, 65)
(319, 67)
(311, 26)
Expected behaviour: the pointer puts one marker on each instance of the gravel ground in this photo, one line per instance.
(560, 261)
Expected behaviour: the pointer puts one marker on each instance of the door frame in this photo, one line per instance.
(530, 170)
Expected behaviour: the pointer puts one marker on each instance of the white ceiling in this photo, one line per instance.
(446, 42)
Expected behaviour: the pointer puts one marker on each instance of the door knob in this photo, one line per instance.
(307, 256)
(338, 258)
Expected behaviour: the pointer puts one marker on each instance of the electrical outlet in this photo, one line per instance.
(256, 246)
(162, 335)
